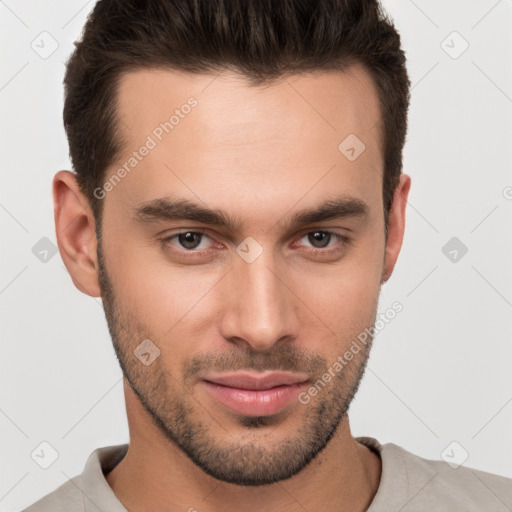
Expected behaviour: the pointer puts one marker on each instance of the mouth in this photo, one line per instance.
(255, 394)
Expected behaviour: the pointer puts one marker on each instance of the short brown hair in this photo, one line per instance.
(260, 39)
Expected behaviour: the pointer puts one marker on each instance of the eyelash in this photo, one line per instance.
(194, 253)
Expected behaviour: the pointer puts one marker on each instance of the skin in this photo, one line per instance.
(259, 154)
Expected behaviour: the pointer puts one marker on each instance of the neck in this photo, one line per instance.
(156, 475)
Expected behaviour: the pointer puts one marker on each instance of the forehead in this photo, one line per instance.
(336, 100)
(218, 131)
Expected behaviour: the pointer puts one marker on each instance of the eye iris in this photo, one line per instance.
(319, 236)
(187, 239)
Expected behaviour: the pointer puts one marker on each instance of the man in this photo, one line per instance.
(238, 200)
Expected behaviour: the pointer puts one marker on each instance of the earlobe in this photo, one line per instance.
(396, 226)
(75, 233)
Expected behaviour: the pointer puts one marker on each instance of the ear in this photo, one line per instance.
(75, 232)
(396, 226)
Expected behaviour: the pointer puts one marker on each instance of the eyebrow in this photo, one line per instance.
(172, 209)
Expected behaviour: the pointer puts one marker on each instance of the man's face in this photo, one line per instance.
(265, 297)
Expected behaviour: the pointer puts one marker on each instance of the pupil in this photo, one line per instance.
(187, 239)
(319, 236)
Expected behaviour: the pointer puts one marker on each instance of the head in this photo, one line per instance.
(238, 200)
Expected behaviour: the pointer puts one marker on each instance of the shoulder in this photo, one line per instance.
(437, 483)
(66, 498)
(410, 482)
(89, 490)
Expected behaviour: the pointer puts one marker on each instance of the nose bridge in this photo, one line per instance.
(259, 308)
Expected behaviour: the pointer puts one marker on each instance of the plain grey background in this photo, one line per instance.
(438, 382)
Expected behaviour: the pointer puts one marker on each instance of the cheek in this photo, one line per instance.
(345, 304)
(345, 295)
(159, 294)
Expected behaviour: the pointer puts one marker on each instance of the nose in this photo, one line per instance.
(259, 308)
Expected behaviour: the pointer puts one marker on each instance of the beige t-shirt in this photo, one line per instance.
(408, 483)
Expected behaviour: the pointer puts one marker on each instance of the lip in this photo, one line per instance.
(251, 394)
(257, 381)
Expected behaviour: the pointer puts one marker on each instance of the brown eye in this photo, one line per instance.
(324, 244)
(186, 241)
(319, 239)
(190, 239)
